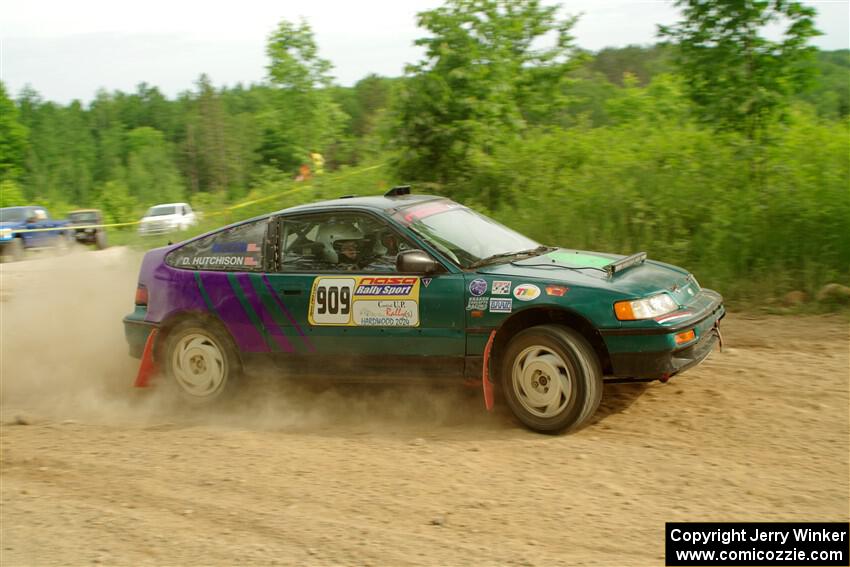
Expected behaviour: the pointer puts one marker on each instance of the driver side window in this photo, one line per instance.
(339, 242)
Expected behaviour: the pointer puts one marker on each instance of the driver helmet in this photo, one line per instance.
(342, 241)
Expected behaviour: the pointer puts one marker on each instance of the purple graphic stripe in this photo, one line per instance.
(243, 331)
(289, 316)
(265, 317)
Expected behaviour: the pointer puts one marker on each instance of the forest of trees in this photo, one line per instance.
(628, 148)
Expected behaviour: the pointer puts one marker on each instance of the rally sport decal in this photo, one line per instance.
(365, 301)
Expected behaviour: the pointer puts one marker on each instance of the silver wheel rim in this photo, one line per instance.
(199, 365)
(541, 381)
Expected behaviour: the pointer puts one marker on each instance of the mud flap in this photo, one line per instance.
(147, 368)
(485, 374)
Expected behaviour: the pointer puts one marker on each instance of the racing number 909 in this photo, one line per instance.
(333, 300)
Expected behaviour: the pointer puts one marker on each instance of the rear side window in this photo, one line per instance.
(237, 249)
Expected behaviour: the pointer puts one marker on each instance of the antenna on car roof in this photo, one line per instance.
(398, 191)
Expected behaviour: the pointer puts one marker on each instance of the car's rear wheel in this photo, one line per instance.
(201, 361)
(551, 378)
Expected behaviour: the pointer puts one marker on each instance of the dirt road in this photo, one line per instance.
(94, 472)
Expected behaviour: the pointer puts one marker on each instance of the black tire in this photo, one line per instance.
(100, 240)
(201, 361)
(551, 378)
(13, 250)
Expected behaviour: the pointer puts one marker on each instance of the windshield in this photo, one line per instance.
(83, 217)
(14, 214)
(463, 235)
(161, 210)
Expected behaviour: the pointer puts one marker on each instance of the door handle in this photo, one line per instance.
(292, 292)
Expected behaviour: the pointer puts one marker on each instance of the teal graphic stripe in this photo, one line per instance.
(272, 307)
(252, 315)
(205, 295)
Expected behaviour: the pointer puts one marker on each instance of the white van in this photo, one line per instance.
(167, 217)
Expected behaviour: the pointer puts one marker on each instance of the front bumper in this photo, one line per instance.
(652, 354)
(663, 365)
(84, 236)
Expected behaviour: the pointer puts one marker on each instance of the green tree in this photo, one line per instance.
(13, 138)
(488, 73)
(116, 202)
(152, 176)
(739, 79)
(303, 116)
(11, 194)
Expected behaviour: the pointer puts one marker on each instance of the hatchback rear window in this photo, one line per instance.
(235, 249)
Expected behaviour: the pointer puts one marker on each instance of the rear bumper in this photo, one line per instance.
(136, 332)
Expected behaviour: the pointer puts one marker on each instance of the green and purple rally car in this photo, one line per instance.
(410, 286)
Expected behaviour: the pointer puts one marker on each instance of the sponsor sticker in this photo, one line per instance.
(501, 288)
(383, 313)
(526, 292)
(476, 304)
(501, 305)
(234, 247)
(478, 287)
(385, 286)
(368, 301)
(426, 281)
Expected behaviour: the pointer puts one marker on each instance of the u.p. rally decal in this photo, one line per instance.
(365, 301)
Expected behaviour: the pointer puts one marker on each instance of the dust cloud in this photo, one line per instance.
(64, 357)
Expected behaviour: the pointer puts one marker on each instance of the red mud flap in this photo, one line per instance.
(147, 368)
(485, 374)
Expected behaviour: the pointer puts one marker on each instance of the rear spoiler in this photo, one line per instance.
(623, 263)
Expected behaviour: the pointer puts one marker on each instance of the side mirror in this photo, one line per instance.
(32, 219)
(416, 262)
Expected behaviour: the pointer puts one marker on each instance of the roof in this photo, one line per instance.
(375, 203)
(83, 211)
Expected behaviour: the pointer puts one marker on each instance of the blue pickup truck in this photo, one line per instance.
(17, 232)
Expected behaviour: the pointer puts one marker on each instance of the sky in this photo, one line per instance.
(68, 49)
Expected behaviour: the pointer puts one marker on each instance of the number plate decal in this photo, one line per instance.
(365, 301)
(330, 301)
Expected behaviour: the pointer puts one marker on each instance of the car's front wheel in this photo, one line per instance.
(551, 378)
(201, 361)
(100, 240)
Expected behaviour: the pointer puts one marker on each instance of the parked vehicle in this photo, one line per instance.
(30, 227)
(87, 230)
(168, 217)
(406, 287)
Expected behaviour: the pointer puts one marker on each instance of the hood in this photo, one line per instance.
(11, 224)
(585, 269)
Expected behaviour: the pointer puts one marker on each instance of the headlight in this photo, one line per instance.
(646, 308)
(5, 233)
